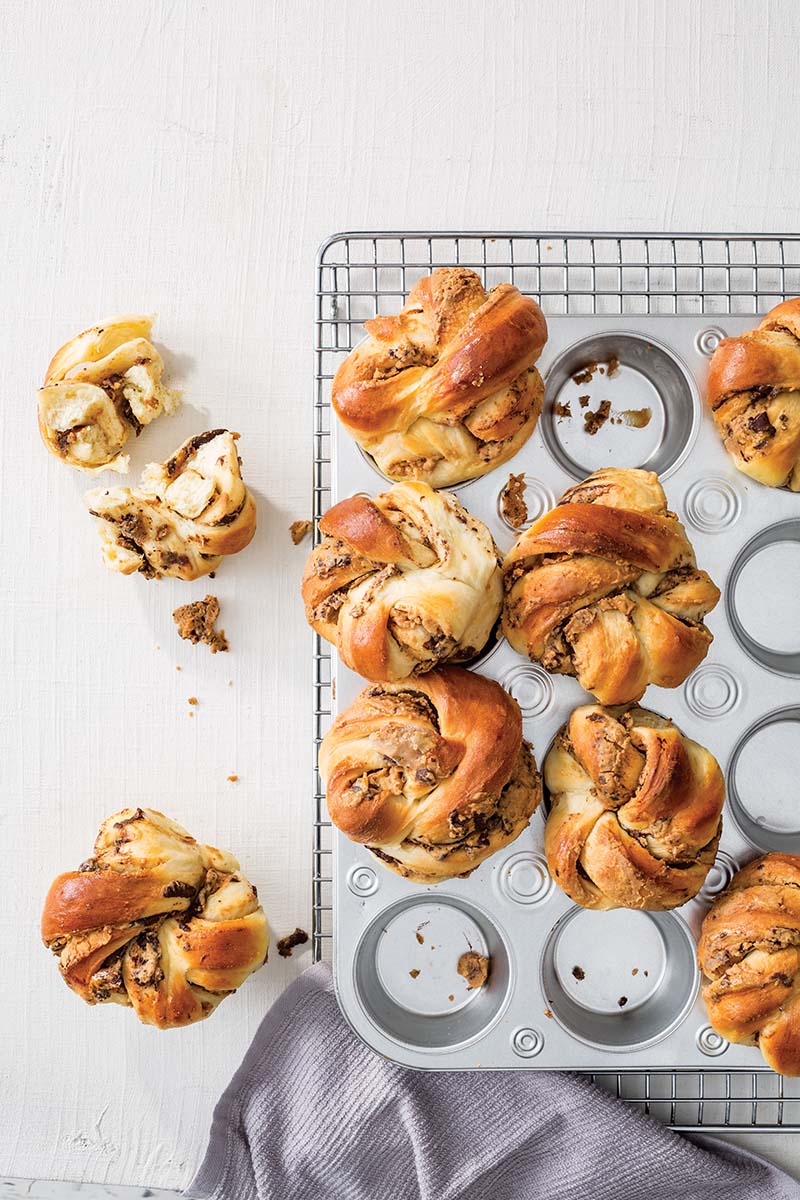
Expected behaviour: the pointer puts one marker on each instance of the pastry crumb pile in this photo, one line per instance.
(474, 968)
(196, 623)
(287, 944)
(512, 501)
(300, 530)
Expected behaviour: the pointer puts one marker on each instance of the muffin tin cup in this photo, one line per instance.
(742, 702)
(407, 979)
(650, 386)
(619, 980)
(767, 816)
(762, 598)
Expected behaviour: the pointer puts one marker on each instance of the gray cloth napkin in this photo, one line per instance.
(312, 1113)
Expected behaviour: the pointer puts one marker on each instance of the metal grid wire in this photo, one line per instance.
(362, 274)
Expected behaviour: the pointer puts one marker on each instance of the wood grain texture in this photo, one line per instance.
(187, 158)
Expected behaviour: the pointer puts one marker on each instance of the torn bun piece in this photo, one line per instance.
(184, 517)
(101, 387)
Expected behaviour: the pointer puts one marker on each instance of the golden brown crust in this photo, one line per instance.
(156, 921)
(433, 775)
(754, 393)
(605, 587)
(185, 515)
(403, 582)
(749, 951)
(79, 901)
(361, 523)
(447, 389)
(101, 387)
(95, 344)
(636, 810)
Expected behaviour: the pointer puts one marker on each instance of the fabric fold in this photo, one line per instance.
(313, 1114)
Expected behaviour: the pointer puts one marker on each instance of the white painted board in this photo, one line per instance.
(187, 158)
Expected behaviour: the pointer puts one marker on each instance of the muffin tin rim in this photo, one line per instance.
(687, 724)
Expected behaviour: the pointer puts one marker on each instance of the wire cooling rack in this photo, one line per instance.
(361, 274)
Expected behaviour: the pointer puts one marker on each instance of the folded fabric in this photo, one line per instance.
(313, 1113)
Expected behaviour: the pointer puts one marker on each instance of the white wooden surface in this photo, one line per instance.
(188, 157)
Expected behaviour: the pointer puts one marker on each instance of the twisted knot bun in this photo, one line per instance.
(754, 393)
(432, 776)
(447, 389)
(155, 921)
(185, 515)
(636, 810)
(749, 949)
(605, 587)
(403, 582)
(100, 387)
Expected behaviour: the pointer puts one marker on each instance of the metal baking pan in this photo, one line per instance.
(613, 992)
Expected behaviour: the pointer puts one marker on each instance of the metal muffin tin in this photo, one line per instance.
(569, 988)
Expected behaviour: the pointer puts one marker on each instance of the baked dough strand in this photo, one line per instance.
(605, 587)
(432, 775)
(636, 810)
(403, 582)
(447, 389)
(754, 394)
(155, 921)
(749, 951)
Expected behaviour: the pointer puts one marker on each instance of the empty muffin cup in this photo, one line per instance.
(619, 397)
(762, 781)
(619, 980)
(406, 973)
(763, 619)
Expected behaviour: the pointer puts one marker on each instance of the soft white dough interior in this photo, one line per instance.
(190, 494)
(118, 557)
(110, 500)
(86, 413)
(74, 407)
(146, 395)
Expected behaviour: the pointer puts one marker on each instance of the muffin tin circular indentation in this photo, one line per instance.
(649, 376)
(406, 978)
(531, 687)
(761, 597)
(707, 340)
(762, 781)
(712, 691)
(538, 500)
(619, 980)
(362, 880)
(718, 878)
(524, 878)
(710, 1042)
(713, 504)
(526, 1042)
